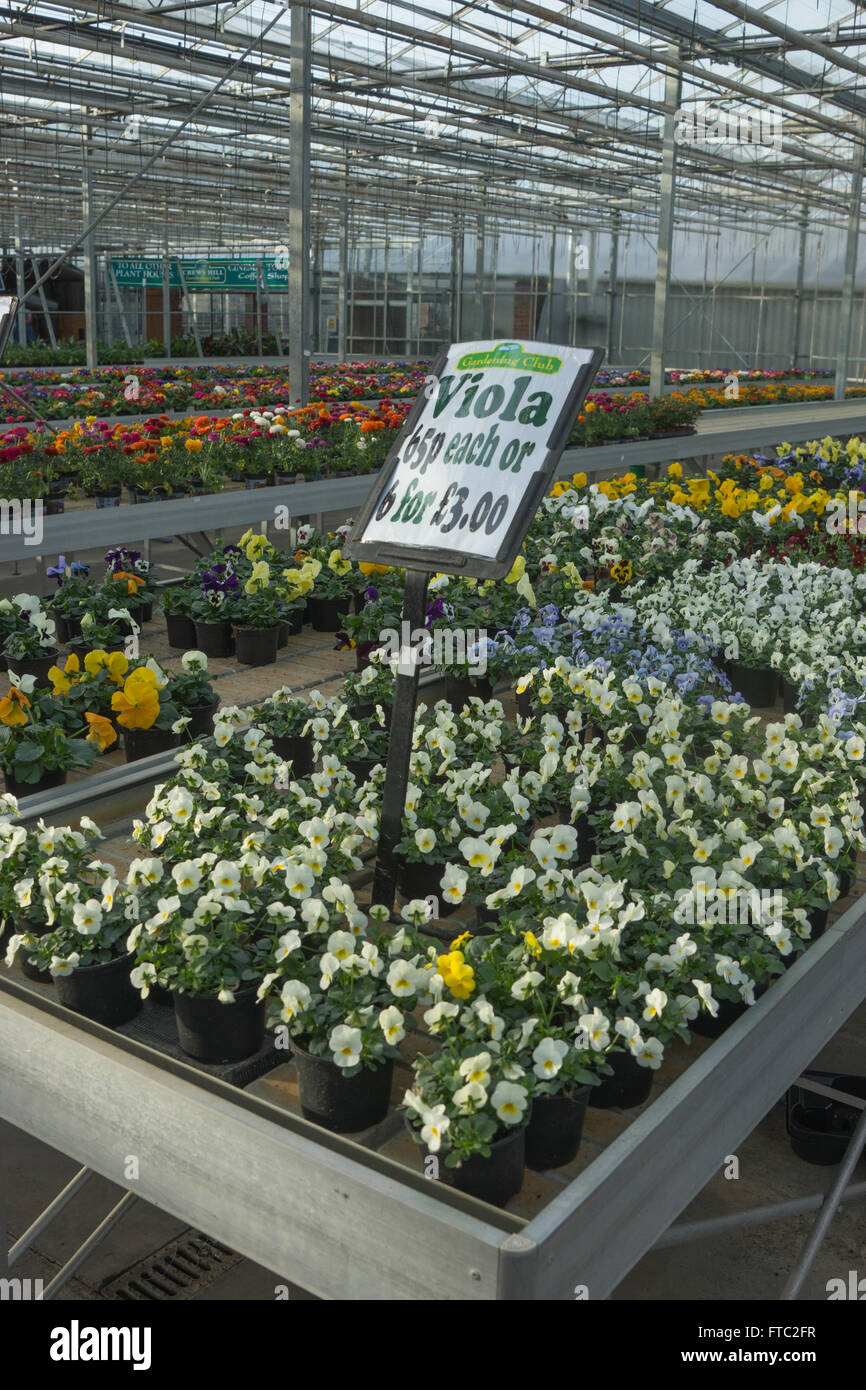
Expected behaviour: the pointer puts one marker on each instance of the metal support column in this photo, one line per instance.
(299, 206)
(186, 294)
(19, 281)
(571, 282)
(166, 296)
(457, 280)
(385, 294)
(612, 285)
(798, 298)
(113, 284)
(847, 305)
(420, 287)
(52, 336)
(551, 271)
(342, 278)
(673, 88)
(258, 308)
(89, 257)
(410, 299)
(479, 279)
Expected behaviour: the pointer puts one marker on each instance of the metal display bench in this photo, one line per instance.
(91, 528)
(346, 1222)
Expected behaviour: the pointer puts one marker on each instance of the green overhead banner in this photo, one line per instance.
(203, 274)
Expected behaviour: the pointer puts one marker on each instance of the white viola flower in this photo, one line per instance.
(295, 999)
(524, 986)
(329, 966)
(61, 965)
(225, 996)
(299, 880)
(627, 1028)
(453, 883)
(391, 1023)
(470, 1098)
(510, 1102)
(476, 1068)
(417, 911)
(179, 805)
(568, 990)
(655, 1002)
(596, 1028)
(288, 943)
(425, 840)
(187, 876)
(402, 979)
(87, 917)
(440, 1013)
(728, 970)
(434, 1128)
(142, 977)
(548, 1058)
(650, 1054)
(346, 1044)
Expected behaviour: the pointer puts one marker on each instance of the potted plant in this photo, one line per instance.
(128, 580)
(341, 1002)
(257, 618)
(39, 741)
(212, 609)
(332, 595)
(176, 602)
(37, 862)
(193, 694)
(145, 711)
(470, 1102)
(86, 949)
(71, 600)
(212, 964)
(287, 719)
(30, 649)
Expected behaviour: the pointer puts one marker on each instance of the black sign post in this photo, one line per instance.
(457, 493)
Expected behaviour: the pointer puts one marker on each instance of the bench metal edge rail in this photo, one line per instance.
(334, 1224)
(598, 1228)
(91, 528)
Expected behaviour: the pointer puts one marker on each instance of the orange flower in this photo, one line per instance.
(102, 731)
(12, 708)
(134, 582)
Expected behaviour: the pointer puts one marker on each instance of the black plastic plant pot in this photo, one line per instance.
(818, 922)
(363, 711)
(630, 1084)
(523, 700)
(214, 639)
(293, 620)
(458, 691)
(421, 880)
(144, 613)
(40, 977)
(257, 646)
(61, 628)
(161, 996)
(297, 749)
(143, 743)
(103, 993)
(494, 1179)
(201, 719)
(213, 1032)
(846, 882)
(45, 783)
(819, 1127)
(758, 685)
(181, 632)
(555, 1128)
(326, 613)
(343, 1104)
(790, 691)
(729, 1011)
(37, 666)
(361, 768)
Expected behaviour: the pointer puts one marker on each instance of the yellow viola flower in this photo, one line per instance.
(259, 579)
(12, 708)
(337, 564)
(517, 571)
(675, 470)
(102, 731)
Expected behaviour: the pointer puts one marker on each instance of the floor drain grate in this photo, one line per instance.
(177, 1270)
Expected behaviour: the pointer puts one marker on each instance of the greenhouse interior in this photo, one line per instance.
(432, 833)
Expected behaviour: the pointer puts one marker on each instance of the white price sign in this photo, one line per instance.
(462, 483)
